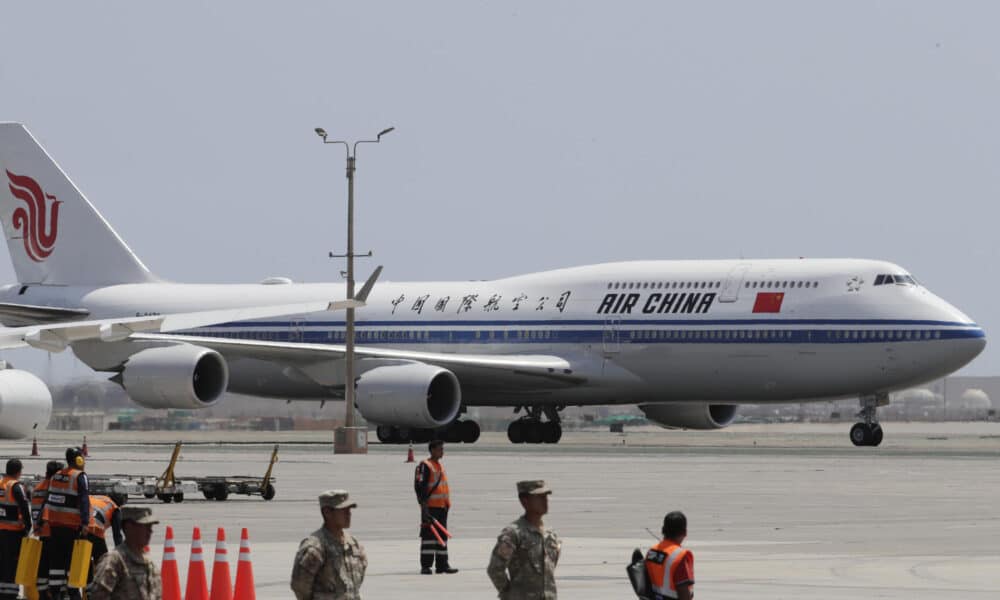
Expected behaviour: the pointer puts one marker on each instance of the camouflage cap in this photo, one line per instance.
(335, 499)
(138, 514)
(534, 487)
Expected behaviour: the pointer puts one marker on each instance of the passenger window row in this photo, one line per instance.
(642, 334)
(782, 334)
(660, 285)
(781, 284)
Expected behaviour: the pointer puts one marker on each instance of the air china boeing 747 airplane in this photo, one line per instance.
(687, 341)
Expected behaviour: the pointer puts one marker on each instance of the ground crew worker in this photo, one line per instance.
(38, 496)
(15, 523)
(330, 563)
(67, 509)
(431, 486)
(670, 568)
(126, 573)
(104, 513)
(523, 563)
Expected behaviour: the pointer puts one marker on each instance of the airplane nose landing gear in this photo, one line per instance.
(869, 432)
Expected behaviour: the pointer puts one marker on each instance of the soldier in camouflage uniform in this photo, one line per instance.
(330, 563)
(126, 573)
(523, 563)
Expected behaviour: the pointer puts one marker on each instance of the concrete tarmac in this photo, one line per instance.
(774, 511)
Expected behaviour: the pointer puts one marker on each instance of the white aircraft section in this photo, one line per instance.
(685, 340)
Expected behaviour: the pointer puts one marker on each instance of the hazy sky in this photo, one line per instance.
(528, 135)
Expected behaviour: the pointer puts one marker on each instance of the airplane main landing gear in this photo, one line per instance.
(869, 432)
(530, 429)
(457, 432)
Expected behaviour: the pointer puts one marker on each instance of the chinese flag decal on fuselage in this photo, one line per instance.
(768, 302)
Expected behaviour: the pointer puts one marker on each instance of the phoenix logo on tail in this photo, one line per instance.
(39, 224)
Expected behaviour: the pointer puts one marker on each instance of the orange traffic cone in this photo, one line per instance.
(222, 584)
(34, 446)
(409, 454)
(83, 450)
(197, 583)
(168, 570)
(244, 571)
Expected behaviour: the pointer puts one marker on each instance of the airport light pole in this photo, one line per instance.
(347, 440)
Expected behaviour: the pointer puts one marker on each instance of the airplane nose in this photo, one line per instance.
(976, 345)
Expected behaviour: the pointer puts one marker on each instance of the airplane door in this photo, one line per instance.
(734, 281)
(295, 332)
(611, 340)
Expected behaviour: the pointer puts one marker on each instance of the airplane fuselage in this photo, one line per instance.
(746, 331)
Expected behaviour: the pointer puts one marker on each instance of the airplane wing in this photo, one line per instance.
(524, 372)
(55, 337)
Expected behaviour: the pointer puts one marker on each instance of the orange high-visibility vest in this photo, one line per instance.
(437, 485)
(102, 509)
(38, 495)
(63, 502)
(11, 518)
(662, 561)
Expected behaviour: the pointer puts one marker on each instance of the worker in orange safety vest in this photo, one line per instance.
(434, 497)
(104, 513)
(67, 510)
(38, 495)
(15, 523)
(669, 567)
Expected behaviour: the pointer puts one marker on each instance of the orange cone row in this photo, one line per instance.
(197, 582)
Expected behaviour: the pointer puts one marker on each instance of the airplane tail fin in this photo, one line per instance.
(55, 236)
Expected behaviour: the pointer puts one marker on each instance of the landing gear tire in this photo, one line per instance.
(470, 432)
(515, 432)
(864, 434)
(453, 433)
(533, 433)
(221, 494)
(876, 433)
(387, 434)
(552, 433)
(860, 434)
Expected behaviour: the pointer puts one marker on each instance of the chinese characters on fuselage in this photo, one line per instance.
(493, 304)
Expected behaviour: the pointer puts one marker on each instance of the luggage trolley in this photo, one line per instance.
(219, 488)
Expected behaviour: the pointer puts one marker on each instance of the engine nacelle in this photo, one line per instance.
(181, 376)
(25, 402)
(409, 395)
(694, 415)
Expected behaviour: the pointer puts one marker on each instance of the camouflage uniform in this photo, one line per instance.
(123, 575)
(529, 556)
(326, 568)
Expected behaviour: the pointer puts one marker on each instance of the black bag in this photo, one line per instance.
(636, 571)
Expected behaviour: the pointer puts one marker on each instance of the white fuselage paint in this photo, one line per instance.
(834, 333)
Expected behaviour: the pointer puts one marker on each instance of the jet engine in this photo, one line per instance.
(25, 403)
(409, 395)
(181, 376)
(694, 415)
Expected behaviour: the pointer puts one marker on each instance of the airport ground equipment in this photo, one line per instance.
(219, 488)
(168, 488)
